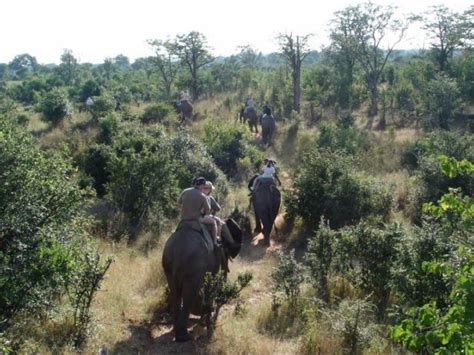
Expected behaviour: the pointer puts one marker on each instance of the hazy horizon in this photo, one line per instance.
(95, 31)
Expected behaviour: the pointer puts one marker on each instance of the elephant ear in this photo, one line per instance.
(236, 233)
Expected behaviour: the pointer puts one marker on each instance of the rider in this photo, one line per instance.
(195, 206)
(249, 104)
(268, 174)
(184, 96)
(215, 207)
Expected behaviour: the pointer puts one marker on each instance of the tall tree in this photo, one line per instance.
(447, 31)
(22, 64)
(166, 61)
(294, 49)
(193, 52)
(68, 68)
(361, 31)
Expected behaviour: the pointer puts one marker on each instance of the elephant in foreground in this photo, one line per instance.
(188, 255)
(266, 200)
(268, 128)
(184, 109)
(249, 114)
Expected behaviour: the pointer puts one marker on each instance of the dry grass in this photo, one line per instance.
(132, 291)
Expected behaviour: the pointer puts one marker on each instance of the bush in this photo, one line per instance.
(217, 291)
(446, 329)
(319, 258)
(156, 113)
(102, 106)
(94, 164)
(414, 284)
(287, 277)
(442, 101)
(452, 144)
(43, 236)
(143, 183)
(347, 139)
(108, 127)
(55, 106)
(194, 160)
(89, 89)
(373, 252)
(228, 143)
(325, 185)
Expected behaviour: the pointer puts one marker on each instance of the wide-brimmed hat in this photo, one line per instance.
(209, 185)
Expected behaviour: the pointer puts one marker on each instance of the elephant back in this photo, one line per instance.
(267, 198)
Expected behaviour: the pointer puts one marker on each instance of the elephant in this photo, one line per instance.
(266, 200)
(184, 108)
(268, 128)
(249, 114)
(187, 256)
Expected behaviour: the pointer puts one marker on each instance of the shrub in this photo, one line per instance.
(430, 327)
(452, 144)
(287, 277)
(156, 113)
(325, 185)
(43, 234)
(102, 105)
(319, 258)
(228, 143)
(217, 291)
(344, 138)
(108, 127)
(89, 89)
(94, 164)
(55, 106)
(442, 101)
(194, 160)
(414, 284)
(143, 183)
(373, 254)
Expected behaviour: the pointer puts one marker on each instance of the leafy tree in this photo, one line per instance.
(294, 49)
(442, 100)
(22, 64)
(140, 165)
(448, 32)
(192, 50)
(430, 328)
(156, 113)
(68, 69)
(102, 105)
(360, 31)
(122, 61)
(55, 106)
(165, 61)
(326, 185)
(43, 235)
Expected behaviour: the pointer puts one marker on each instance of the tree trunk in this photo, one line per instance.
(297, 88)
(373, 109)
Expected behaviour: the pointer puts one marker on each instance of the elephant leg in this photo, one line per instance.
(258, 224)
(175, 298)
(190, 293)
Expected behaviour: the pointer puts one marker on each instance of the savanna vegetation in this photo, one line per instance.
(373, 250)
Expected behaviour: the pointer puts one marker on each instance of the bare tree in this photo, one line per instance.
(193, 52)
(360, 31)
(294, 49)
(448, 31)
(166, 61)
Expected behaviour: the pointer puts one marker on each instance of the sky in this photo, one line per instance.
(98, 29)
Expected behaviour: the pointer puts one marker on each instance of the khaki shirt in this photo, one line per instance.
(193, 204)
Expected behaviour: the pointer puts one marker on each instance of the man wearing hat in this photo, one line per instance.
(195, 206)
